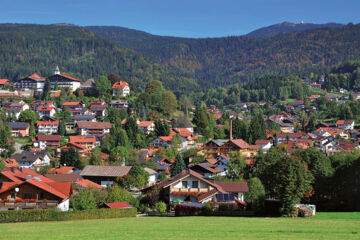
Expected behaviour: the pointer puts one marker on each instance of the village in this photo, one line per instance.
(53, 149)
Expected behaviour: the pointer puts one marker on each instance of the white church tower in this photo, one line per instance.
(57, 70)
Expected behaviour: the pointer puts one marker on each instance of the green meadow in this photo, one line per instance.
(322, 226)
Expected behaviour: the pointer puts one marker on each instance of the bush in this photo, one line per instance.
(223, 207)
(206, 209)
(56, 215)
(160, 207)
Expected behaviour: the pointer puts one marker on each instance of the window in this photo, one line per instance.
(12, 196)
(184, 184)
(195, 184)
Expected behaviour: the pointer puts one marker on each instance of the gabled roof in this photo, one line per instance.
(62, 170)
(94, 125)
(289, 135)
(48, 138)
(20, 174)
(145, 124)
(108, 171)
(64, 76)
(38, 123)
(17, 125)
(343, 122)
(71, 103)
(30, 156)
(121, 85)
(233, 186)
(82, 139)
(4, 81)
(60, 177)
(85, 183)
(10, 162)
(185, 173)
(240, 143)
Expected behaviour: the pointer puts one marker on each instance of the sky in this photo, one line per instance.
(182, 18)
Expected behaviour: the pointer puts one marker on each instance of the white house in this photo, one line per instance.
(32, 159)
(93, 128)
(192, 186)
(265, 145)
(121, 89)
(345, 124)
(47, 127)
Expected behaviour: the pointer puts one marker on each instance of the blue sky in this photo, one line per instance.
(187, 18)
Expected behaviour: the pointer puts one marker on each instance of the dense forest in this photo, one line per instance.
(26, 49)
(229, 60)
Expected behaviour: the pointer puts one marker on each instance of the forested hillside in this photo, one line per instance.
(28, 49)
(287, 27)
(228, 60)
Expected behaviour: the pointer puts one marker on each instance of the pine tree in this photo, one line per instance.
(178, 165)
(62, 128)
(257, 129)
(46, 90)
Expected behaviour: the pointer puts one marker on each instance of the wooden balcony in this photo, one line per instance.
(39, 204)
(191, 190)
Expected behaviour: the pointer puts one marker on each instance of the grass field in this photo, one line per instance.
(322, 226)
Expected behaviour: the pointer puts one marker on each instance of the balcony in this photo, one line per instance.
(38, 204)
(190, 190)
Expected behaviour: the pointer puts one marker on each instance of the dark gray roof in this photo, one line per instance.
(84, 117)
(17, 125)
(29, 156)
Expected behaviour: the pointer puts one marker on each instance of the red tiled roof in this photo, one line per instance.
(207, 194)
(342, 122)
(47, 123)
(118, 205)
(120, 85)
(145, 123)
(82, 139)
(290, 135)
(45, 109)
(87, 184)
(10, 162)
(20, 174)
(71, 103)
(4, 81)
(62, 170)
(240, 143)
(48, 137)
(261, 142)
(233, 186)
(36, 77)
(184, 132)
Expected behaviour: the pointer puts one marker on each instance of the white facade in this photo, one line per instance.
(48, 129)
(64, 205)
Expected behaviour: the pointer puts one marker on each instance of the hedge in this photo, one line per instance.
(56, 215)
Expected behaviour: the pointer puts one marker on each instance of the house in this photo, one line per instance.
(18, 129)
(32, 82)
(93, 128)
(265, 145)
(24, 189)
(63, 81)
(187, 134)
(46, 111)
(119, 104)
(165, 141)
(284, 120)
(121, 89)
(47, 127)
(44, 141)
(73, 105)
(32, 159)
(88, 85)
(98, 108)
(190, 186)
(280, 137)
(61, 177)
(4, 82)
(315, 86)
(345, 124)
(106, 175)
(207, 169)
(15, 108)
(146, 126)
(86, 142)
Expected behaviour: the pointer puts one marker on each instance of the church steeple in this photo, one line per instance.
(57, 70)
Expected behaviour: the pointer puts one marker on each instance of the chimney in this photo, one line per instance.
(230, 129)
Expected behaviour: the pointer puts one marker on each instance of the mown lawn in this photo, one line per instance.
(322, 226)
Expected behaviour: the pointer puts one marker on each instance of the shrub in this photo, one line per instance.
(223, 207)
(160, 207)
(56, 215)
(206, 209)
